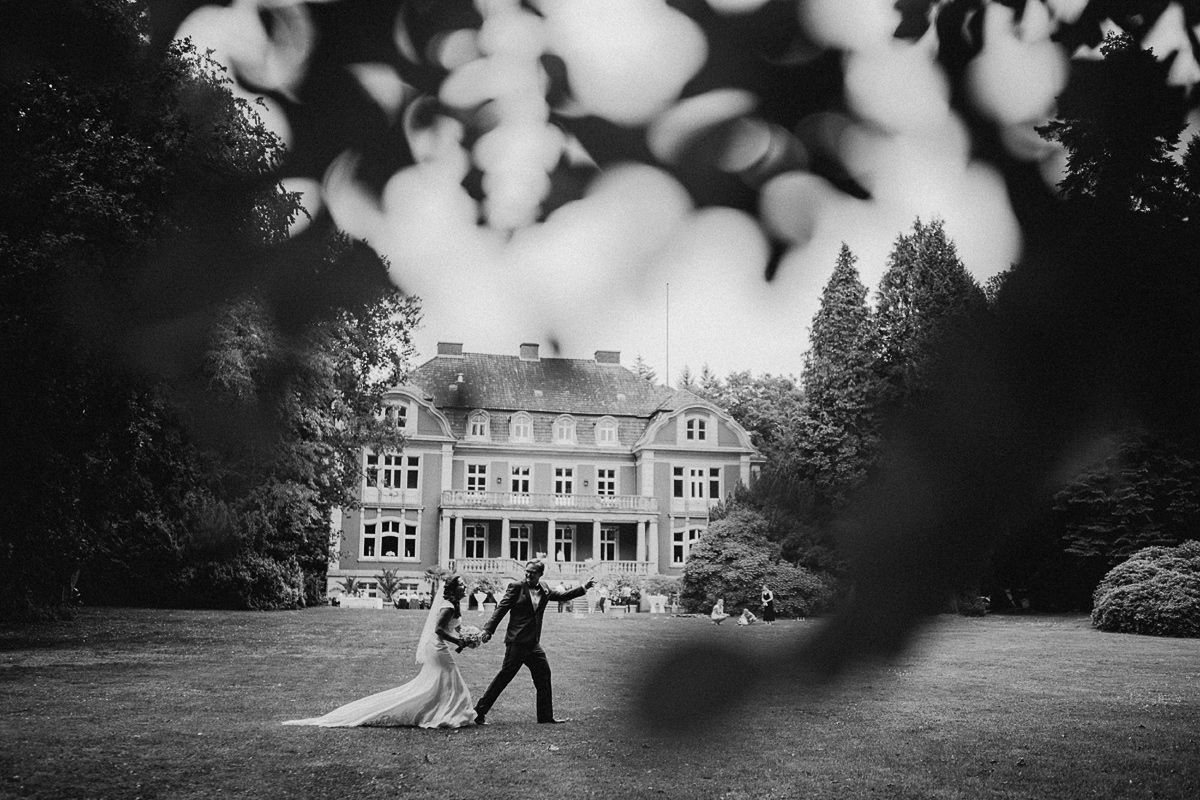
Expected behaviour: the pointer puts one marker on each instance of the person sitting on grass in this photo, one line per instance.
(718, 614)
(747, 617)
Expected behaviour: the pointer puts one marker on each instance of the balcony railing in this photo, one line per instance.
(554, 569)
(463, 498)
(388, 494)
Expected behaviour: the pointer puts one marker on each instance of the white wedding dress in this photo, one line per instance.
(437, 698)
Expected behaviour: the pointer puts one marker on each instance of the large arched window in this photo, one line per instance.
(390, 538)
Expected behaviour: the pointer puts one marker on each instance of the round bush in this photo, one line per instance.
(1156, 592)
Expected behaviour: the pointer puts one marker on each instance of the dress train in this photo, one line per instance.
(437, 697)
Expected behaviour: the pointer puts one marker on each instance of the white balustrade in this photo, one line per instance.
(548, 502)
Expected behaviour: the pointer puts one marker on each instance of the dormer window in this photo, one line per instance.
(479, 426)
(395, 414)
(695, 429)
(520, 427)
(564, 430)
(606, 432)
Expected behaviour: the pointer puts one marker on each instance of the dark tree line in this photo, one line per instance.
(186, 388)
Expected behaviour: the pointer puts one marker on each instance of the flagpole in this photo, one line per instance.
(667, 377)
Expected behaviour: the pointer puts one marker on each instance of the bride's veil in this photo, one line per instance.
(427, 633)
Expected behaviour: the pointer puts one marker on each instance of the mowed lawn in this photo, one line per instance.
(187, 704)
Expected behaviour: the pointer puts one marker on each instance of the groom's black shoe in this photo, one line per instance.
(480, 719)
(554, 721)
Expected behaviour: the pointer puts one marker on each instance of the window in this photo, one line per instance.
(475, 541)
(519, 539)
(608, 544)
(606, 482)
(370, 537)
(395, 414)
(564, 485)
(695, 429)
(393, 471)
(476, 477)
(398, 415)
(389, 539)
(479, 425)
(564, 542)
(520, 428)
(368, 588)
(606, 432)
(564, 430)
(519, 483)
(696, 483)
(681, 544)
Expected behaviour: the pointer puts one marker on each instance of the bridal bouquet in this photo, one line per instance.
(470, 636)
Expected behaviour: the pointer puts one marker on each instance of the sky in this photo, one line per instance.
(633, 265)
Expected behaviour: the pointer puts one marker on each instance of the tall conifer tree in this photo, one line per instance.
(925, 296)
(838, 437)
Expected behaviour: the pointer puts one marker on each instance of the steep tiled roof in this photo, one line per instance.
(559, 385)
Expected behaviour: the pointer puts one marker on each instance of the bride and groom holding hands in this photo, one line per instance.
(438, 696)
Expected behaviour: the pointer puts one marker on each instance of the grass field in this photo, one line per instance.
(187, 704)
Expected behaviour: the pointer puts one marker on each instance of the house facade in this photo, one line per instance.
(511, 457)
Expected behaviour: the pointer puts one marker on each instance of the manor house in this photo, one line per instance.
(509, 457)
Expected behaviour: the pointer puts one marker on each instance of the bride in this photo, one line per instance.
(437, 698)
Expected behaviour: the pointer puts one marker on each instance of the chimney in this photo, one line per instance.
(608, 357)
(529, 352)
(452, 349)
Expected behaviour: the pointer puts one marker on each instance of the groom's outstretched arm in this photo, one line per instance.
(502, 608)
(569, 594)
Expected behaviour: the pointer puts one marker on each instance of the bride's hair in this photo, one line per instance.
(451, 589)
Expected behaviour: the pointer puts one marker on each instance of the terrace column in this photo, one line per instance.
(653, 544)
(595, 540)
(460, 547)
(551, 524)
(444, 541)
(504, 537)
(640, 553)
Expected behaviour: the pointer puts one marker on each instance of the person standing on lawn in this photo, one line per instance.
(525, 603)
(768, 605)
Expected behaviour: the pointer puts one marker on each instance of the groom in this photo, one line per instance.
(526, 602)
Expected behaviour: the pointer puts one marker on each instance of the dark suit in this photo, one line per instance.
(522, 644)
